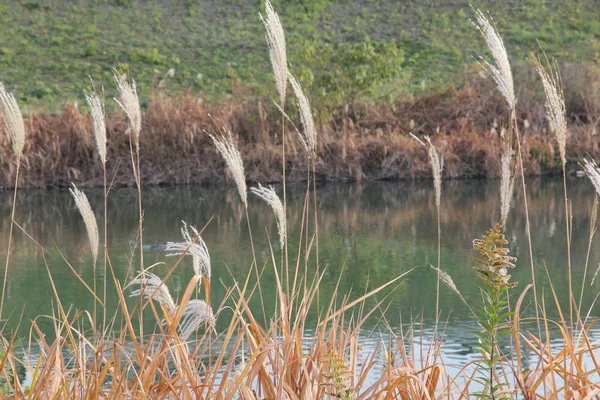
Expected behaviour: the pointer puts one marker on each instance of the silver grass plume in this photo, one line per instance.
(97, 111)
(555, 106)
(13, 122)
(233, 159)
(196, 313)
(501, 70)
(593, 172)
(269, 195)
(277, 52)
(309, 138)
(447, 280)
(507, 183)
(192, 245)
(152, 287)
(437, 166)
(88, 218)
(130, 104)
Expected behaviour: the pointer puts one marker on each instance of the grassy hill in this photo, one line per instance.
(340, 50)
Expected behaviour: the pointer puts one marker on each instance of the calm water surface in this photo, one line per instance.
(372, 232)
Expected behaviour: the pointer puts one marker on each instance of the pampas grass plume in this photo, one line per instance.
(97, 111)
(507, 183)
(501, 71)
(309, 139)
(593, 172)
(89, 219)
(269, 195)
(233, 159)
(130, 104)
(555, 106)
(196, 313)
(277, 52)
(152, 287)
(437, 166)
(192, 245)
(13, 122)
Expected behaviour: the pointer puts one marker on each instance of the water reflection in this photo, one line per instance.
(373, 232)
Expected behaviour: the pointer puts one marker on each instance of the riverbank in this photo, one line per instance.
(359, 143)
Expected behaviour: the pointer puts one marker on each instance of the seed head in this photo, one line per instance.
(233, 159)
(555, 106)
(152, 287)
(97, 110)
(192, 245)
(196, 313)
(13, 122)
(89, 219)
(130, 104)
(309, 138)
(501, 70)
(277, 53)
(270, 196)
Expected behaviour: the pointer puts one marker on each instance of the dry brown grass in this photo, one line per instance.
(370, 142)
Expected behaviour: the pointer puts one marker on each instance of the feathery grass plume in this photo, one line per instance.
(437, 166)
(501, 71)
(233, 159)
(555, 105)
(192, 245)
(269, 195)
(593, 172)
(130, 104)
(447, 279)
(309, 139)
(152, 287)
(507, 183)
(196, 313)
(13, 122)
(89, 218)
(277, 53)
(97, 110)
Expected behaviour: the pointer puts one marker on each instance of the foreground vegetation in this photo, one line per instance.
(107, 353)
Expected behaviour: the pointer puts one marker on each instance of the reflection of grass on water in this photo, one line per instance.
(231, 351)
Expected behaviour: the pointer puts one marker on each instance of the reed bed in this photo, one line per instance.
(103, 353)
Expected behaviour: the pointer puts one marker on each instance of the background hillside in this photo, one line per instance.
(342, 51)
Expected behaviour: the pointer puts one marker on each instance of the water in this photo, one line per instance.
(369, 233)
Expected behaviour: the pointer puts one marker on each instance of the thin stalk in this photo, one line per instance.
(587, 256)
(527, 223)
(287, 270)
(10, 234)
(313, 161)
(105, 246)
(568, 232)
(255, 264)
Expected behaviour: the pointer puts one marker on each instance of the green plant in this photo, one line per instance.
(494, 316)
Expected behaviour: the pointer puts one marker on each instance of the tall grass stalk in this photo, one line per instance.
(15, 129)
(96, 105)
(502, 75)
(275, 37)
(555, 108)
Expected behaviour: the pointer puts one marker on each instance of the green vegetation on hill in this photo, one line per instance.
(341, 51)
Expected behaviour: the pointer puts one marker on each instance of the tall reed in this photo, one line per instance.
(15, 129)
